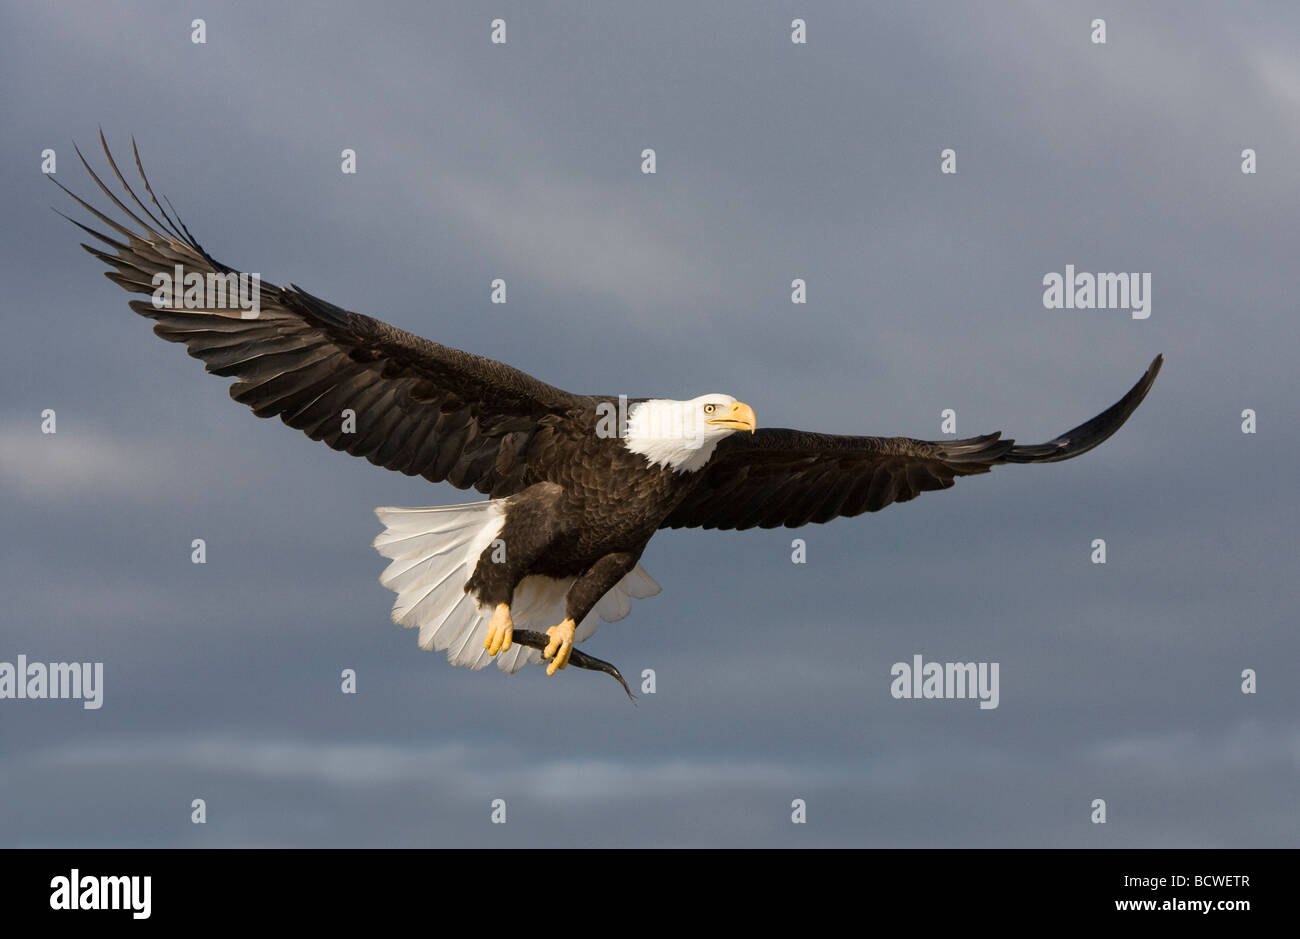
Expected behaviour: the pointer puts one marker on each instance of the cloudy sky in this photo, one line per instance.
(775, 161)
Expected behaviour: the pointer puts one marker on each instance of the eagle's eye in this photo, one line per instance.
(710, 408)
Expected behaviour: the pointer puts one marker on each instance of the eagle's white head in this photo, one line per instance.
(682, 434)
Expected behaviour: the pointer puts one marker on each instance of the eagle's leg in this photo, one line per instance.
(525, 534)
(500, 630)
(560, 646)
(582, 596)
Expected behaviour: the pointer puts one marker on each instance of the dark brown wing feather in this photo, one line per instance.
(778, 477)
(421, 408)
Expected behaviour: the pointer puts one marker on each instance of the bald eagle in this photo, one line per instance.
(577, 485)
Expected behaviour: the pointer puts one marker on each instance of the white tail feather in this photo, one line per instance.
(434, 552)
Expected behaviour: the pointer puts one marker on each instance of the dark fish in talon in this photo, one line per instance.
(536, 640)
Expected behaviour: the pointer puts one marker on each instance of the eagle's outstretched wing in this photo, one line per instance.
(778, 477)
(420, 408)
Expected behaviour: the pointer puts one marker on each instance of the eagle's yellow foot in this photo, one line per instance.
(500, 630)
(560, 646)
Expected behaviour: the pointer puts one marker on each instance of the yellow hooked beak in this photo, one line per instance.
(740, 416)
